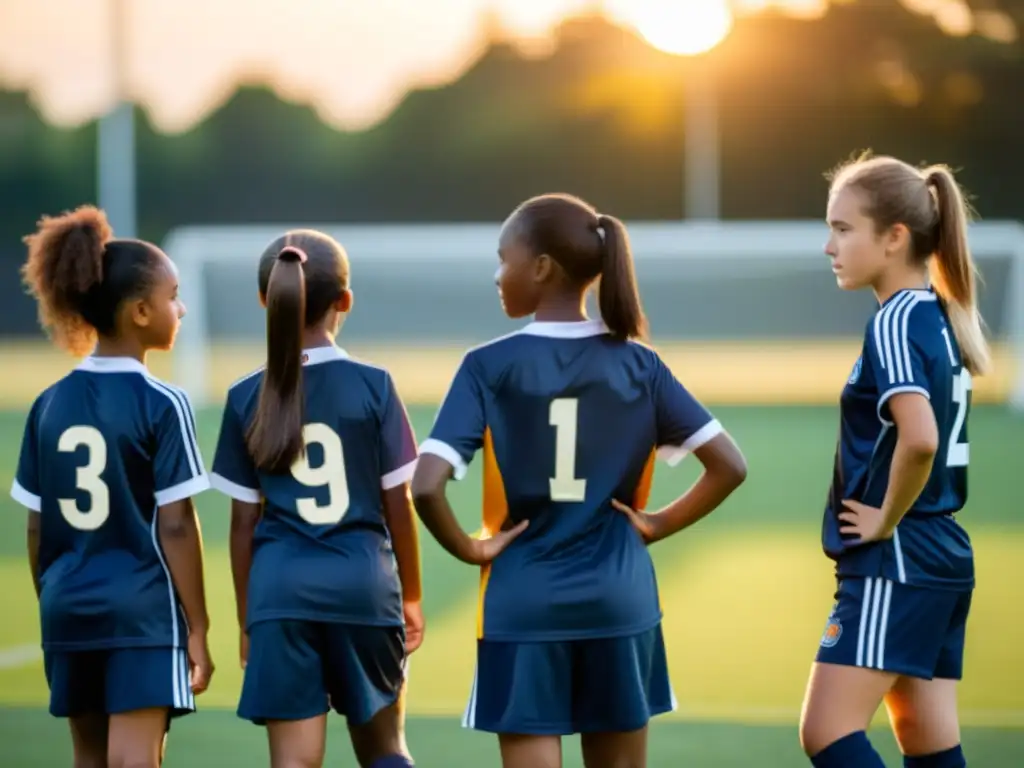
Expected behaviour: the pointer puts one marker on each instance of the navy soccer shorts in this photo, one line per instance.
(120, 680)
(302, 669)
(881, 624)
(605, 685)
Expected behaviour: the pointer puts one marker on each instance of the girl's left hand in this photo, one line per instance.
(864, 522)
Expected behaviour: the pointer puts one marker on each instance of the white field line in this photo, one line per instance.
(19, 656)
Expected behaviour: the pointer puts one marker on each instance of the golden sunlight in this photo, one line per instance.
(683, 27)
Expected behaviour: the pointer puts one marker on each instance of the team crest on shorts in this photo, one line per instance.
(855, 374)
(833, 631)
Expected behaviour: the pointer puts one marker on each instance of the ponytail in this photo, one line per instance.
(953, 272)
(618, 297)
(64, 272)
(274, 438)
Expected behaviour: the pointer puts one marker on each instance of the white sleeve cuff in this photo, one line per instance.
(234, 490)
(673, 454)
(397, 477)
(446, 452)
(26, 498)
(184, 490)
(899, 391)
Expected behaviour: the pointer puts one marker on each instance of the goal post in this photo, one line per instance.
(754, 292)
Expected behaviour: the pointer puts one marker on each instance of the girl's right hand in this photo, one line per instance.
(485, 550)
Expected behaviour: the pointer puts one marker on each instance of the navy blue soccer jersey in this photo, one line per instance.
(568, 418)
(322, 550)
(908, 347)
(104, 448)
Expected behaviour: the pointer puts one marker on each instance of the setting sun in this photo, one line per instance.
(683, 27)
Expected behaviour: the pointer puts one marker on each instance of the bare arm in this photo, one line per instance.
(917, 441)
(428, 493)
(244, 517)
(33, 548)
(724, 470)
(182, 543)
(401, 520)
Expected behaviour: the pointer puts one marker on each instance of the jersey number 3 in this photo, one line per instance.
(563, 415)
(87, 478)
(331, 473)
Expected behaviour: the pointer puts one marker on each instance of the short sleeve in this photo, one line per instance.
(26, 488)
(177, 465)
(397, 440)
(893, 345)
(234, 473)
(458, 431)
(684, 425)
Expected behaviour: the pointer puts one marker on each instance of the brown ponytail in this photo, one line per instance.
(618, 297)
(274, 438)
(953, 272)
(64, 270)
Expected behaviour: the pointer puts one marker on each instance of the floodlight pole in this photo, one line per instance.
(115, 137)
(701, 159)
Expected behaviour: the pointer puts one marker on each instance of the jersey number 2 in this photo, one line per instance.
(330, 473)
(563, 416)
(958, 453)
(87, 478)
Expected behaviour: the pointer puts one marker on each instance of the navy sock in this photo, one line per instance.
(852, 751)
(394, 761)
(950, 758)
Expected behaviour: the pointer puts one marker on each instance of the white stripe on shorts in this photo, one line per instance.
(874, 623)
(469, 716)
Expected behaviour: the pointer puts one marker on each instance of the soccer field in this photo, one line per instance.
(746, 594)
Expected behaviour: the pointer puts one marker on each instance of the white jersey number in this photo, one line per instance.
(563, 416)
(330, 473)
(958, 454)
(87, 478)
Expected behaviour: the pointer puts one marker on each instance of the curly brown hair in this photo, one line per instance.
(65, 264)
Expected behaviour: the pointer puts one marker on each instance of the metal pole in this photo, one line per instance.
(115, 138)
(701, 163)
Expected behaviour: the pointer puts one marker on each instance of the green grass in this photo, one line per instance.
(746, 594)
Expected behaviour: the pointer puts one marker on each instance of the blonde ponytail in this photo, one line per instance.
(953, 272)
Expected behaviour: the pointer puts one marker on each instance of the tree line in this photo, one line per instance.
(601, 116)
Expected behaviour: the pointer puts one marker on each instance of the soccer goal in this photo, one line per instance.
(750, 310)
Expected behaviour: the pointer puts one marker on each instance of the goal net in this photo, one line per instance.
(743, 311)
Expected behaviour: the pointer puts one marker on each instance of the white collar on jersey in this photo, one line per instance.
(315, 355)
(111, 365)
(577, 330)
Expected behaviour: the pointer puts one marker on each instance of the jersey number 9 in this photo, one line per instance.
(331, 473)
(87, 478)
(563, 415)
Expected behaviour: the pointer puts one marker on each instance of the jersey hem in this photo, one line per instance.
(359, 621)
(234, 490)
(25, 497)
(446, 452)
(185, 490)
(957, 585)
(114, 644)
(560, 637)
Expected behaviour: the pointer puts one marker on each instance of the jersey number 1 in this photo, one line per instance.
(563, 415)
(330, 473)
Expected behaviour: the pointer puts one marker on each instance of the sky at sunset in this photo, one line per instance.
(353, 60)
